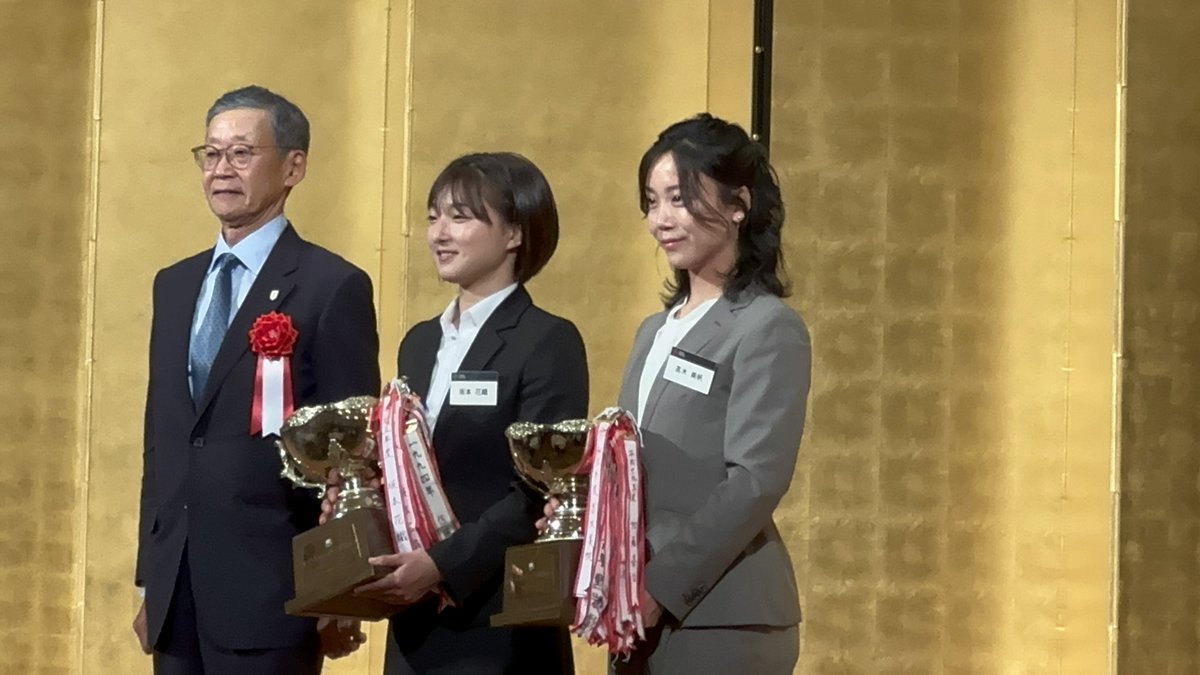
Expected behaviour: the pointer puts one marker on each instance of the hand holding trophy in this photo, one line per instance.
(585, 570)
(331, 559)
(361, 439)
(539, 576)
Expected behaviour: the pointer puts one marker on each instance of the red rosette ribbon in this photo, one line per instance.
(273, 339)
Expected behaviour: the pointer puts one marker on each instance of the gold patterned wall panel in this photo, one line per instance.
(1160, 470)
(949, 171)
(1083, 504)
(730, 60)
(45, 70)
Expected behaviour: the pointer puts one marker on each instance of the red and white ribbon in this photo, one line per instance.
(418, 509)
(609, 581)
(273, 338)
(272, 395)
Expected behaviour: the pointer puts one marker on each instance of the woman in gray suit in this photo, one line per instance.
(719, 383)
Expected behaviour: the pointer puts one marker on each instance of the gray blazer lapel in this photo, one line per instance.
(718, 317)
(628, 398)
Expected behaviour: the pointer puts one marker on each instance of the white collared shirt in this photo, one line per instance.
(456, 342)
(669, 335)
(252, 253)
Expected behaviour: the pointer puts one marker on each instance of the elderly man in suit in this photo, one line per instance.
(214, 544)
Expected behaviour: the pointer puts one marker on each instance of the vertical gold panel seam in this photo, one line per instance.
(383, 154)
(1118, 360)
(87, 375)
(1061, 609)
(406, 194)
(708, 66)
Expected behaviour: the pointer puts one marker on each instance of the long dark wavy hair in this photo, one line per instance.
(709, 146)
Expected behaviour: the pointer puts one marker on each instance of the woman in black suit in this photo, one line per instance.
(493, 225)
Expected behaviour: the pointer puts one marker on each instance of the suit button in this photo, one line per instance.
(198, 442)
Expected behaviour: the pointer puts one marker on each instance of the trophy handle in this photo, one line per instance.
(292, 471)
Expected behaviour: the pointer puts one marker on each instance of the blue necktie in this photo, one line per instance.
(207, 341)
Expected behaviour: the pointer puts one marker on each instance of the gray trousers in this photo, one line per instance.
(740, 650)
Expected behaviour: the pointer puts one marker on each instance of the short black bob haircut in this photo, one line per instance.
(515, 190)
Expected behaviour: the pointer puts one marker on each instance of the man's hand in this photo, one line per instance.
(543, 523)
(141, 629)
(334, 484)
(340, 637)
(415, 576)
(333, 487)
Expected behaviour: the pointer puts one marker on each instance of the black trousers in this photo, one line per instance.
(420, 644)
(183, 649)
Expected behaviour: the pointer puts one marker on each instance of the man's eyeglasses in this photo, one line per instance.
(238, 156)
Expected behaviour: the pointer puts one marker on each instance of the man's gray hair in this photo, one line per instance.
(287, 120)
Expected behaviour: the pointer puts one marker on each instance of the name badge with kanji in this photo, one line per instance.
(474, 388)
(689, 370)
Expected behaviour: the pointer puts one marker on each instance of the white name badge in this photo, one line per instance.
(474, 388)
(689, 370)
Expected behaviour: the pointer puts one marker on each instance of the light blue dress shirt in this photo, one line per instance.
(252, 253)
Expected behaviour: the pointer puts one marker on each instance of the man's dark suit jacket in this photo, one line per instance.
(543, 377)
(210, 488)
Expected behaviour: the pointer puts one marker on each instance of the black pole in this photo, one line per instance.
(760, 104)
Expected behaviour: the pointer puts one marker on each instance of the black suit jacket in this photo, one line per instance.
(208, 486)
(543, 377)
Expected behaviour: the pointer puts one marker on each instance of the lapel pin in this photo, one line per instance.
(274, 294)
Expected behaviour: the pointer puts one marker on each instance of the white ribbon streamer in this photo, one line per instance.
(272, 396)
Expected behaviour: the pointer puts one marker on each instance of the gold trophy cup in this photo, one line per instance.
(538, 577)
(330, 560)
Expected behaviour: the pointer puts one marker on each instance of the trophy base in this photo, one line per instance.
(538, 584)
(330, 561)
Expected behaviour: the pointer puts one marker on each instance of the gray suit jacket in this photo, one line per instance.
(717, 465)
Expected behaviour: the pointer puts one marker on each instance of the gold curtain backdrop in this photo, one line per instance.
(954, 174)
